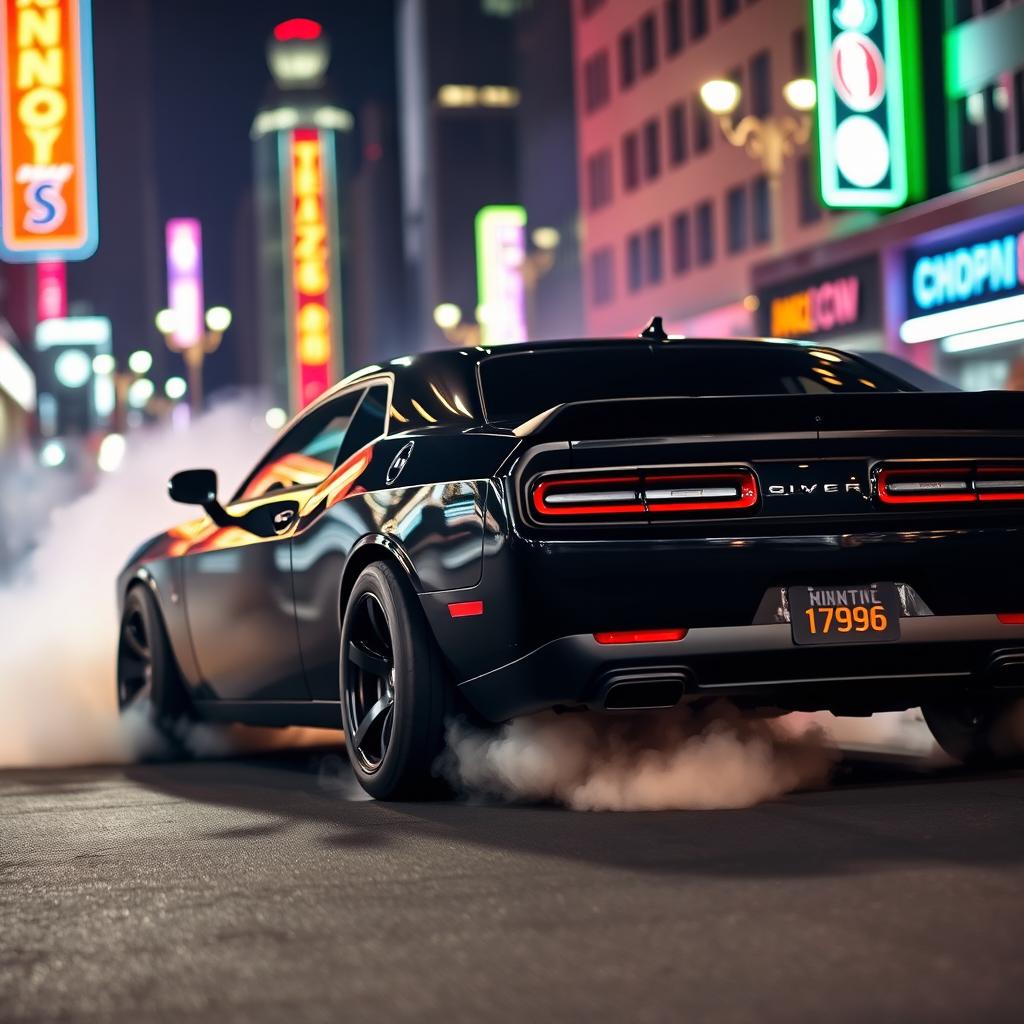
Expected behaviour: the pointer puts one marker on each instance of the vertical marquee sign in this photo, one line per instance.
(862, 137)
(311, 265)
(500, 257)
(47, 131)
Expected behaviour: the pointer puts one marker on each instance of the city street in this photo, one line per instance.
(268, 889)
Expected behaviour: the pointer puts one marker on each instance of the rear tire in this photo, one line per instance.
(147, 674)
(395, 699)
(978, 731)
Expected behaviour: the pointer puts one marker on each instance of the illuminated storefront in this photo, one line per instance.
(47, 148)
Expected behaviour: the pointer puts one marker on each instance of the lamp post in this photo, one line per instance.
(769, 140)
(218, 320)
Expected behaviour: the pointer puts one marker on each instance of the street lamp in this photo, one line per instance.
(218, 320)
(766, 139)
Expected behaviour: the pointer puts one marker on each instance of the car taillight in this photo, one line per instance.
(947, 485)
(644, 494)
(640, 636)
(1011, 618)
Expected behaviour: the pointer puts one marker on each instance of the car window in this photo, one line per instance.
(308, 452)
(368, 423)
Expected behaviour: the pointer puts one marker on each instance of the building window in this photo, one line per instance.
(673, 27)
(681, 258)
(630, 162)
(627, 59)
(652, 150)
(798, 52)
(701, 127)
(599, 180)
(602, 276)
(655, 257)
(589, 6)
(596, 82)
(809, 208)
(761, 84)
(761, 211)
(705, 234)
(736, 219)
(678, 148)
(698, 19)
(648, 44)
(728, 8)
(634, 262)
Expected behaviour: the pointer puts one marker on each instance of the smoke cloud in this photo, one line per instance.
(58, 608)
(676, 759)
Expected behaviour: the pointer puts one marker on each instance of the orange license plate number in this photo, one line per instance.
(844, 615)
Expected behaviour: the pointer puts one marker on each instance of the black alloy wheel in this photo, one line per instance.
(395, 697)
(147, 674)
(370, 683)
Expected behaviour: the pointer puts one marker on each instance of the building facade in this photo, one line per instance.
(674, 217)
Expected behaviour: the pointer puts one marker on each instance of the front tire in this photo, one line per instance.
(395, 699)
(147, 674)
(980, 731)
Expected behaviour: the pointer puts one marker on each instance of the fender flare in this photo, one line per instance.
(369, 548)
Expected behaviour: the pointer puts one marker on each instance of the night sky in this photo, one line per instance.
(180, 80)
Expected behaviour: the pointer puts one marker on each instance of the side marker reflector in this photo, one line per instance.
(640, 636)
(463, 609)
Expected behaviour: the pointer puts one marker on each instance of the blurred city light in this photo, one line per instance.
(468, 96)
(218, 318)
(72, 368)
(276, 418)
(52, 454)
(801, 94)
(140, 392)
(447, 316)
(165, 321)
(104, 364)
(175, 388)
(140, 361)
(720, 96)
(546, 238)
(111, 453)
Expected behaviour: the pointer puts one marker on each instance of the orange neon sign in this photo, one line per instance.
(310, 267)
(47, 146)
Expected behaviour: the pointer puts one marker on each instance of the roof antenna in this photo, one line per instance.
(654, 331)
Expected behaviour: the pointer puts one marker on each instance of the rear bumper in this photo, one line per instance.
(759, 666)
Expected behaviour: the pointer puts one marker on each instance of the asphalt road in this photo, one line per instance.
(264, 890)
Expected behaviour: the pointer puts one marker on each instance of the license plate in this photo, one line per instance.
(845, 615)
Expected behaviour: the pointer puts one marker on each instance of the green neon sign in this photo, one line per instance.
(500, 254)
(861, 57)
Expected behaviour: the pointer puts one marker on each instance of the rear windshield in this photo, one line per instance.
(519, 385)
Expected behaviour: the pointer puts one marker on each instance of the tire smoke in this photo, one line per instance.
(671, 760)
(58, 606)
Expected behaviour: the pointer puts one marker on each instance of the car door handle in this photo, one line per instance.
(283, 518)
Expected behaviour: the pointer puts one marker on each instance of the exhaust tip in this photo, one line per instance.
(644, 691)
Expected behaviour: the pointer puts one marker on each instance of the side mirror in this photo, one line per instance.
(194, 487)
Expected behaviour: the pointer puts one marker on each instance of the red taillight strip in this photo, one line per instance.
(640, 636)
(936, 497)
(586, 507)
(1011, 618)
(745, 485)
(995, 483)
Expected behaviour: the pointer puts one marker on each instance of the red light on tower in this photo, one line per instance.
(297, 28)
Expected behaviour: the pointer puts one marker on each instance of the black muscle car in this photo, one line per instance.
(596, 526)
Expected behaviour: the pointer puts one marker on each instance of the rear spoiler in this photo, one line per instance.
(952, 413)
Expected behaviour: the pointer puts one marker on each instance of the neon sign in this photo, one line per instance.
(47, 146)
(985, 269)
(500, 255)
(184, 237)
(311, 262)
(826, 307)
(862, 138)
(51, 290)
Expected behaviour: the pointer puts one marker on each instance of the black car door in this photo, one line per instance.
(332, 520)
(238, 586)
